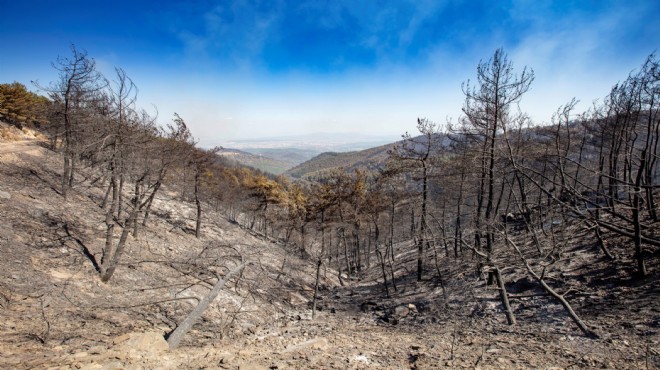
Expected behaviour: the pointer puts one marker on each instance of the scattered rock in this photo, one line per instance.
(112, 365)
(401, 311)
(152, 342)
(360, 358)
(253, 366)
(317, 344)
(60, 275)
(367, 306)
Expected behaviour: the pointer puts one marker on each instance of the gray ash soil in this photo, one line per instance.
(55, 313)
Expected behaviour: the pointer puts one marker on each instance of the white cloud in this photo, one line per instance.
(575, 56)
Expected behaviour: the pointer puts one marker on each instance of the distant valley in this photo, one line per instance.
(262, 162)
(280, 154)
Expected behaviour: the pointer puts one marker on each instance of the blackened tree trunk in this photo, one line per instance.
(175, 337)
(636, 211)
(198, 204)
(319, 263)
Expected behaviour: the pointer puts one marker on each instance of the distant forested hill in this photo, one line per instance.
(260, 162)
(368, 159)
(289, 155)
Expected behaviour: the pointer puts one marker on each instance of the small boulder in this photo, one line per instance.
(367, 306)
(316, 344)
(401, 311)
(153, 342)
(393, 315)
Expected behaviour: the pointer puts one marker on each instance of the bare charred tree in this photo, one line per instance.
(78, 80)
(414, 156)
(487, 110)
(456, 180)
(613, 190)
(171, 147)
(317, 209)
(201, 161)
(628, 142)
(336, 192)
(123, 122)
(356, 201)
(377, 204)
(322, 210)
(147, 166)
(123, 97)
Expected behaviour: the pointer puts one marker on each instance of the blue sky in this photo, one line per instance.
(251, 68)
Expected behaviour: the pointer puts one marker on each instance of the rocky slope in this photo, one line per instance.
(55, 313)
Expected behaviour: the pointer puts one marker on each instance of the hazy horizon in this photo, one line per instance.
(317, 142)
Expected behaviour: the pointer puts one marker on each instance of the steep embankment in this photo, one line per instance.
(54, 311)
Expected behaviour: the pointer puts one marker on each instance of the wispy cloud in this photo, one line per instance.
(577, 52)
(309, 35)
(230, 34)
